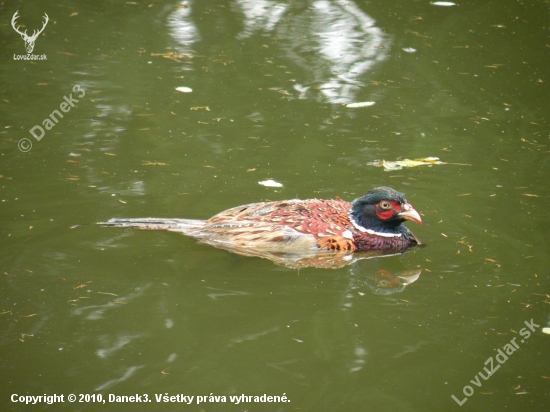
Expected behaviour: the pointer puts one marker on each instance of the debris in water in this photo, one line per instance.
(270, 183)
(360, 104)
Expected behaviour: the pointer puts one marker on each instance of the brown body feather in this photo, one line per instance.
(286, 226)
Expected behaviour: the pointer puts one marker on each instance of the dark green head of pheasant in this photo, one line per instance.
(383, 210)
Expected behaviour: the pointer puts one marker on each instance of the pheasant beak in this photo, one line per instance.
(409, 213)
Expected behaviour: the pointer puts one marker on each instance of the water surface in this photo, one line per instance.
(105, 311)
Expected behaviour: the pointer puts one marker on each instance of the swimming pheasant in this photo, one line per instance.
(373, 222)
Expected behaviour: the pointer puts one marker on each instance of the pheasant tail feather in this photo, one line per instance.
(186, 226)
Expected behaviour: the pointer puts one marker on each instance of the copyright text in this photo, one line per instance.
(158, 398)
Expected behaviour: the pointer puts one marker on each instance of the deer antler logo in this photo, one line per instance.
(29, 40)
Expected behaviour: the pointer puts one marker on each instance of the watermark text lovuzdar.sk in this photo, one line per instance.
(29, 40)
(501, 357)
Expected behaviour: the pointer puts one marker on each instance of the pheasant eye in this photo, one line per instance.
(385, 205)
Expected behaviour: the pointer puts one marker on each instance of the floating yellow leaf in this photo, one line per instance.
(400, 164)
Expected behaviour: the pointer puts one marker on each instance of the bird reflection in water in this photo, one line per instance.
(384, 283)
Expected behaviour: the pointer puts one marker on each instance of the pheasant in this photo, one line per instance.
(373, 222)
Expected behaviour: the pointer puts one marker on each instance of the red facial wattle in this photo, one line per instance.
(390, 210)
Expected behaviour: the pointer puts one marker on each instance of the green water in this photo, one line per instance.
(89, 310)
